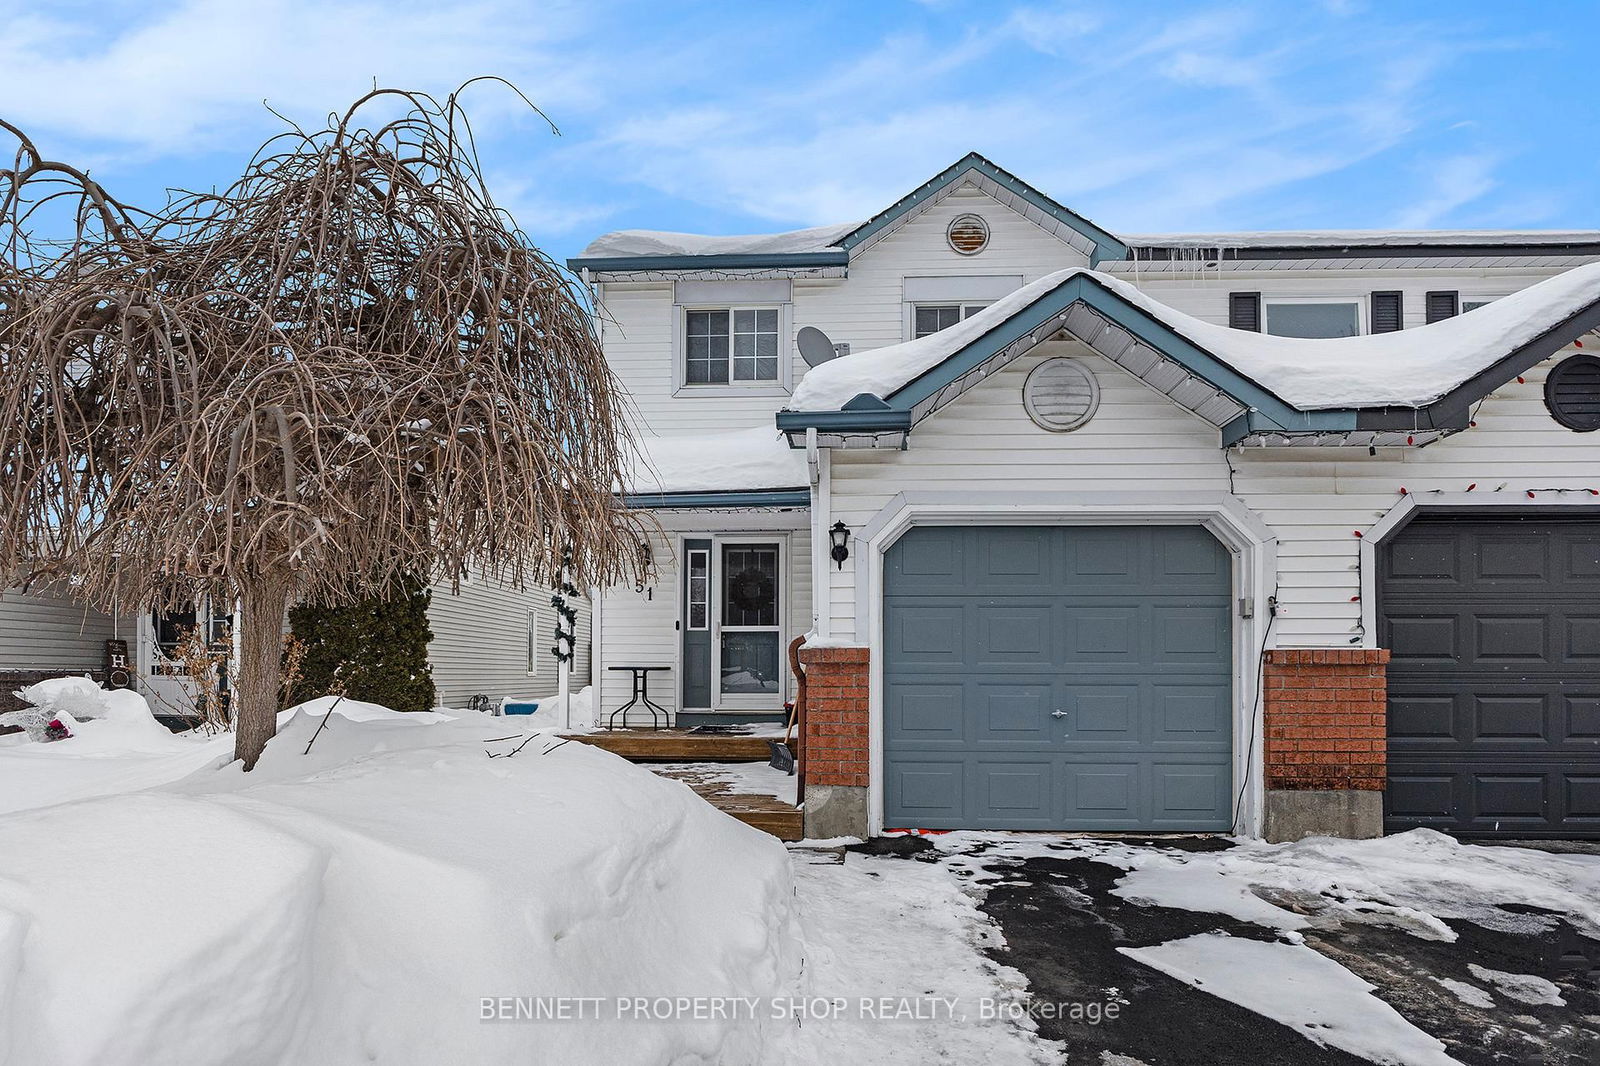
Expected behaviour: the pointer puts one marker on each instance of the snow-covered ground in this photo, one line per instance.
(887, 940)
(380, 878)
(361, 900)
(742, 778)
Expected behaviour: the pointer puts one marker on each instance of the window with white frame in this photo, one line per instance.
(1312, 317)
(731, 346)
(928, 319)
(699, 567)
(533, 643)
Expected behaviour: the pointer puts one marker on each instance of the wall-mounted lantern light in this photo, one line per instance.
(841, 543)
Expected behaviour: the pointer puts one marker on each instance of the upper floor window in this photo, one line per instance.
(927, 319)
(731, 345)
(1308, 317)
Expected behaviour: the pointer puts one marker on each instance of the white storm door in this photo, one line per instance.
(747, 645)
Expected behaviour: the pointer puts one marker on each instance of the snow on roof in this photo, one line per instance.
(881, 371)
(643, 242)
(734, 461)
(1331, 238)
(637, 242)
(1408, 368)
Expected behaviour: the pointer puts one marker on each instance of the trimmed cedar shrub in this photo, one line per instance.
(375, 650)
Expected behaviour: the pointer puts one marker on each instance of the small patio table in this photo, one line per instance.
(641, 694)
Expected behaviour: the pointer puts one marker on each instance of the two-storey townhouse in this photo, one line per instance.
(1264, 533)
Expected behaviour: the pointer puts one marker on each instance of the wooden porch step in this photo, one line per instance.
(783, 820)
(677, 745)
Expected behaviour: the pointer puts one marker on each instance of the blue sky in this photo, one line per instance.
(759, 116)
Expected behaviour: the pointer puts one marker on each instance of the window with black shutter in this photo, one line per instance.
(1387, 312)
(1443, 305)
(1244, 311)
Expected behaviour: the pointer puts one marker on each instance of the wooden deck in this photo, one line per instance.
(677, 745)
(765, 813)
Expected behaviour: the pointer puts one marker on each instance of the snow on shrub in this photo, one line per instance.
(357, 902)
(81, 697)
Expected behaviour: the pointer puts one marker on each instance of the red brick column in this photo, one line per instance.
(836, 716)
(1326, 712)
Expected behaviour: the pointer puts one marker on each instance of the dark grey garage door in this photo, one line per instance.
(1494, 687)
(1057, 678)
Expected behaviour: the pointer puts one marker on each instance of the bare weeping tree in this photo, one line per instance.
(347, 369)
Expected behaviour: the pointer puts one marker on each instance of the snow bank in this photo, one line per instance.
(81, 697)
(1294, 985)
(630, 242)
(1407, 368)
(357, 903)
(549, 715)
(744, 459)
(357, 711)
(122, 749)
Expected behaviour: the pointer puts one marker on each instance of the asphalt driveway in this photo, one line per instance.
(1517, 984)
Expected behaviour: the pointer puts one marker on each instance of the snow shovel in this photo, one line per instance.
(782, 754)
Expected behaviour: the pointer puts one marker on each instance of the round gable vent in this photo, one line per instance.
(1572, 393)
(968, 234)
(1060, 394)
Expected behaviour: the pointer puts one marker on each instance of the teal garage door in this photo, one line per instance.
(1058, 677)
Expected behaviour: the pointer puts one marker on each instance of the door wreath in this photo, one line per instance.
(750, 590)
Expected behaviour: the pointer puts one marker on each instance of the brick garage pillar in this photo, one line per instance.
(837, 757)
(1325, 753)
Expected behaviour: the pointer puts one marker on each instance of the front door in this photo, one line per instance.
(172, 645)
(748, 618)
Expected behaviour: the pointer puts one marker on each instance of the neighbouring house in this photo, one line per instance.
(1273, 533)
(488, 640)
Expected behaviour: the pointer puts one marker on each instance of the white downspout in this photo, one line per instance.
(597, 649)
(821, 515)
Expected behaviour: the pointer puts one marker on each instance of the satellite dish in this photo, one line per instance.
(815, 347)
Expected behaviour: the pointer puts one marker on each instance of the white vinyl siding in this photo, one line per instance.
(643, 330)
(1139, 444)
(482, 637)
(44, 629)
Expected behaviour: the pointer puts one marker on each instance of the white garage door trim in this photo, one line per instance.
(1246, 536)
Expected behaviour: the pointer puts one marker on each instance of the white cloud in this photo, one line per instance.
(789, 116)
(191, 74)
(1161, 123)
(1451, 183)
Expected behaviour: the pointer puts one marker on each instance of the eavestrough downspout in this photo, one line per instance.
(817, 466)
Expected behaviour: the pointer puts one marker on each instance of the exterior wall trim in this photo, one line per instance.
(1246, 536)
(796, 497)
